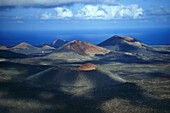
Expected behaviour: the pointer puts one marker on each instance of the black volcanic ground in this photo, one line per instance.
(119, 75)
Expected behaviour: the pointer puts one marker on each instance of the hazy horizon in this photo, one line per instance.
(150, 36)
(92, 21)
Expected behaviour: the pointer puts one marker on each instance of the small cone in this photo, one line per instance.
(86, 67)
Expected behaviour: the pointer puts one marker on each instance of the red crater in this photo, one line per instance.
(86, 67)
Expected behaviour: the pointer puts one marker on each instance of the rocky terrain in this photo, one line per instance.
(121, 75)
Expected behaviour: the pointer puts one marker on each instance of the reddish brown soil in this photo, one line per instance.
(87, 66)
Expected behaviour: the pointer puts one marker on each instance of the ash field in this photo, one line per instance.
(119, 75)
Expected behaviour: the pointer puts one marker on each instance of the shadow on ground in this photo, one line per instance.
(21, 97)
(20, 71)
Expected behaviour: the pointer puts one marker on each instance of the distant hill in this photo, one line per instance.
(3, 48)
(78, 49)
(24, 45)
(26, 48)
(125, 44)
(58, 43)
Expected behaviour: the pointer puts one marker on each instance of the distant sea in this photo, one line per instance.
(154, 36)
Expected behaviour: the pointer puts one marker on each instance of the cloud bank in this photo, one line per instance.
(90, 9)
(110, 12)
(103, 12)
(63, 12)
(50, 3)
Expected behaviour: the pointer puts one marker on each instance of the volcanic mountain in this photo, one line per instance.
(72, 81)
(78, 49)
(124, 44)
(58, 43)
(26, 48)
(24, 45)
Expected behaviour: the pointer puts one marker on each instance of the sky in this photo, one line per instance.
(83, 14)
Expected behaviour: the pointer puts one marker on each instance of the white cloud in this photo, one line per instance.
(103, 12)
(130, 11)
(91, 12)
(50, 3)
(63, 12)
(46, 16)
(59, 13)
(110, 12)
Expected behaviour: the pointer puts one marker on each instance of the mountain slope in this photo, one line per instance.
(78, 49)
(11, 70)
(124, 44)
(75, 81)
(10, 55)
(58, 43)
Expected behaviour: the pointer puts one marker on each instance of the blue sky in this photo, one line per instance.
(83, 14)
